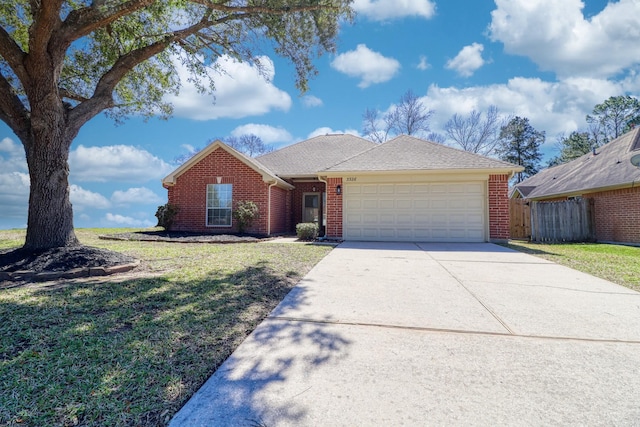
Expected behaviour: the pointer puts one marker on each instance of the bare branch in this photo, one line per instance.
(67, 94)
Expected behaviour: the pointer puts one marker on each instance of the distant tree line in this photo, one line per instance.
(511, 139)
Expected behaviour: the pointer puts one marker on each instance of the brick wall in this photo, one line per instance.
(190, 192)
(279, 212)
(334, 208)
(617, 215)
(499, 207)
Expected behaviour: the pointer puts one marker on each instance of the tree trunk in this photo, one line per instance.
(50, 221)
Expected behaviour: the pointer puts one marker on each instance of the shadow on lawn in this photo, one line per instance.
(133, 352)
(249, 388)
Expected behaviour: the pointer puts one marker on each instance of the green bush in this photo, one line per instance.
(244, 214)
(307, 230)
(166, 214)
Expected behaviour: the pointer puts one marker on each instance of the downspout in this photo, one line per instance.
(269, 207)
(324, 208)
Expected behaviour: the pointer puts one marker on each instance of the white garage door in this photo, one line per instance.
(415, 212)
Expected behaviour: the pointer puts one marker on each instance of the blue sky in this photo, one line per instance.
(550, 61)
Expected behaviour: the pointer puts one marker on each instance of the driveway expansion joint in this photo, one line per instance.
(451, 331)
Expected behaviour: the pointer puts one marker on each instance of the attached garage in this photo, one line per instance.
(411, 190)
(416, 211)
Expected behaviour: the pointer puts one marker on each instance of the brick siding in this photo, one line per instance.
(334, 208)
(190, 192)
(499, 207)
(617, 215)
(279, 210)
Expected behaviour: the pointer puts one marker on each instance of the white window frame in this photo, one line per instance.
(219, 204)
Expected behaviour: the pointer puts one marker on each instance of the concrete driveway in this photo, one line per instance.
(434, 334)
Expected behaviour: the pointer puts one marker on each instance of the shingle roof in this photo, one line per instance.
(308, 157)
(610, 167)
(405, 153)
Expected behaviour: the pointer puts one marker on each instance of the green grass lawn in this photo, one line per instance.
(131, 352)
(616, 263)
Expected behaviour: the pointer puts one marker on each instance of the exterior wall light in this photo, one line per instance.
(338, 189)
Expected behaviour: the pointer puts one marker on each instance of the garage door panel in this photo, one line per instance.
(438, 212)
(369, 189)
(403, 204)
(387, 204)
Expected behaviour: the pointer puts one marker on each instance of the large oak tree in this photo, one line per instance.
(65, 61)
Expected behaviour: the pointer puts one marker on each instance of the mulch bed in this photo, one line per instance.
(183, 237)
(67, 262)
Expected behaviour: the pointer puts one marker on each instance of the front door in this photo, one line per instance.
(311, 207)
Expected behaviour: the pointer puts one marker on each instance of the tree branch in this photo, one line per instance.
(13, 54)
(12, 111)
(84, 21)
(46, 19)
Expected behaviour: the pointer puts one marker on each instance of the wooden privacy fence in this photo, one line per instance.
(565, 221)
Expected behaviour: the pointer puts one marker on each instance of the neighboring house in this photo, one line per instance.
(406, 189)
(605, 175)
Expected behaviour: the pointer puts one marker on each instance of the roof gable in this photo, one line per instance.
(407, 153)
(307, 157)
(267, 175)
(609, 167)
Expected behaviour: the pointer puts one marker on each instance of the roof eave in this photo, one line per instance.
(580, 192)
(490, 171)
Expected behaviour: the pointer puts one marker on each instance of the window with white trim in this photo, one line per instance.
(219, 203)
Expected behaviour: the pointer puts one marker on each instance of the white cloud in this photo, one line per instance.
(468, 60)
(82, 199)
(12, 156)
(188, 147)
(128, 221)
(554, 107)
(423, 64)
(310, 101)
(327, 130)
(136, 196)
(268, 134)
(14, 195)
(116, 163)
(240, 91)
(558, 37)
(372, 67)
(382, 10)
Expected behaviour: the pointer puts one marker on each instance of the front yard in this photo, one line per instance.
(616, 263)
(130, 350)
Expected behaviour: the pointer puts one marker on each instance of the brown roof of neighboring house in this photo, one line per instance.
(308, 157)
(407, 153)
(609, 168)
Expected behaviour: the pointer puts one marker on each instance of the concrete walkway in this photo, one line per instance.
(434, 334)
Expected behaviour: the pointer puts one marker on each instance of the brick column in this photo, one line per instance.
(334, 208)
(499, 230)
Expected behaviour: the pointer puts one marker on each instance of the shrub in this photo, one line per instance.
(244, 214)
(307, 230)
(166, 214)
